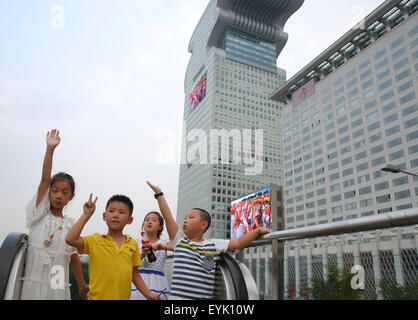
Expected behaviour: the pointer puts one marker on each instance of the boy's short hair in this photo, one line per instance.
(123, 199)
(204, 216)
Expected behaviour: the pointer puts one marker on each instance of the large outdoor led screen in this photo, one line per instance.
(198, 93)
(251, 212)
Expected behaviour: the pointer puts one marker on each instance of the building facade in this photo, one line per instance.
(350, 112)
(231, 127)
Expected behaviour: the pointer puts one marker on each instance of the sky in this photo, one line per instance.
(110, 76)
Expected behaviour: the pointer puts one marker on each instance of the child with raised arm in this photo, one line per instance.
(151, 270)
(48, 253)
(195, 258)
(114, 257)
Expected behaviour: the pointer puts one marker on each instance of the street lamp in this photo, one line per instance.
(394, 169)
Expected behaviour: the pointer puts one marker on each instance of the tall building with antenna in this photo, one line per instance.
(232, 131)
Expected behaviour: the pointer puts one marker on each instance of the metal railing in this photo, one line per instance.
(285, 263)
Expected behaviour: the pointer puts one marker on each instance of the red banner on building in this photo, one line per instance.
(305, 92)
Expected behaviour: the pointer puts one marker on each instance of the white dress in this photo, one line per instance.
(47, 268)
(152, 274)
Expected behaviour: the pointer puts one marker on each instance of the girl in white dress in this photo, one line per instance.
(152, 273)
(48, 255)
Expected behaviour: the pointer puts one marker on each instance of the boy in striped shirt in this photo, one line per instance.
(195, 258)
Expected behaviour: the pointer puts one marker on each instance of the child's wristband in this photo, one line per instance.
(158, 195)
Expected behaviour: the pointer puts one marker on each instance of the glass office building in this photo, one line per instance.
(231, 73)
(350, 112)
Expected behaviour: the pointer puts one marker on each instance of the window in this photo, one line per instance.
(396, 155)
(413, 149)
(378, 161)
(407, 98)
(409, 110)
(333, 166)
(385, 85)
(348, 183)
(400, 181)
(411, 123)
(365, 190)
(366, 203)
(357, 123)
(350, 194)
(383, 199)
(372, 116)
(402, 194)
(400, 64)
(322, 212)
(412, 136)
(403, 75)
(390, 119)
(346, 161)
(373, 126)
(350, 206)
(336, 198)
(335, 187)
(394, 142)
(382, 186)
(380, 54)
(364, 178)
(392, 131)
(375, 138)
(345, 150)
(405, 86)
(376, 149)
(322, 202)
(337, 209)
(347, 172)
(363, 166)
(387, 96)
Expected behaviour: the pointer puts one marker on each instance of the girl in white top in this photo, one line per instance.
(48, 255)
(152, 273)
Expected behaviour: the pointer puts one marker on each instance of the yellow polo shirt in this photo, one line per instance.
(110, 267)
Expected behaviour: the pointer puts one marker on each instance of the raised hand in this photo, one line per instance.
(90, 206)
(156, 189)
(53, 138)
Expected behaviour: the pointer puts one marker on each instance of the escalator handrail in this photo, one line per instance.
(238, 279)
(10, 247)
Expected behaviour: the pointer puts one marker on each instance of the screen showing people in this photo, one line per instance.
(251, 212)
(198, 93)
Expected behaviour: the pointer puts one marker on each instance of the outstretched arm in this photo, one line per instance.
(246, 239)
(160, 246)
(73, 237)
(52, 141)
(171, 224)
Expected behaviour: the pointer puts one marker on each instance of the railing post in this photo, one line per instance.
(400, 277)
(376, 236)
(278, 262)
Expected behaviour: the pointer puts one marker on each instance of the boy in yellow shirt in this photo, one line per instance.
(114, 257)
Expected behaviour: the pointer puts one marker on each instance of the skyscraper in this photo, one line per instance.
(350, 112)
(232, 131)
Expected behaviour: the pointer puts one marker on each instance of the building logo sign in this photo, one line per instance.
(305, 92)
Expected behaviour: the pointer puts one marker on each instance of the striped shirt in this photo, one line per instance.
(194, 267)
